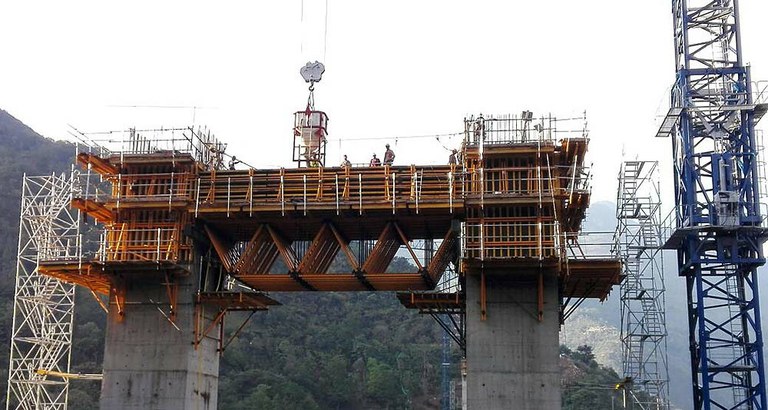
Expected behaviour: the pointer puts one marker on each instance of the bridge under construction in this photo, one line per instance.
(180, 241)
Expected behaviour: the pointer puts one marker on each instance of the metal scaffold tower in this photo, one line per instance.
(643, 323)
(720, 229)
(41, 341)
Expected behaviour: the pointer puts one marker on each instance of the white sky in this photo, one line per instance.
(394, 68)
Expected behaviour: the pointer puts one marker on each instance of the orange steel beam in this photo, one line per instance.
(343, 282)
(216, 320)
(321, 252)
(95, 209)
(443, 256)
(345, 247)
(97, 164)
(404, 241)
(284, 247)
(385, 249)
(221, 248)
(259, 254)
(172, 290)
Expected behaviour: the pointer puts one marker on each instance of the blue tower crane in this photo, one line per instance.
(719, 230)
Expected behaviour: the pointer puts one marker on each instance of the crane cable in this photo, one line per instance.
(325, 30)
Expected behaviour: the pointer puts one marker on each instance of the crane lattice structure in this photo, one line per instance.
(720, 229)
(643, 318)
(41, 342)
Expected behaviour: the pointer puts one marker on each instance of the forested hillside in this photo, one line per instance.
(316, 351)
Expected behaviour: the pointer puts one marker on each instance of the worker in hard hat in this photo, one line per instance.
(389, 156)
(452, 157)
(375, 162)
(232, 162)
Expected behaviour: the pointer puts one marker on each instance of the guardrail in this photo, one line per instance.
(61, 248)
(502, 240)
(199, 142)
(591, 245)
(545, 181)
(157, 244)
(333, 185)
(698, 216)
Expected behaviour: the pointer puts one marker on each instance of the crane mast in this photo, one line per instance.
(719, 230)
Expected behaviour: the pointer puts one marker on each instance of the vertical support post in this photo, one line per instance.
(393, 193)
(360, 193)
(197, 197)
(450, 189)
(229, 192)
(337, 193)
(540, 297)
(250, 192)
(483, 296)
(305, 194)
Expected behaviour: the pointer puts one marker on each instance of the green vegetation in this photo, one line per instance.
(586, 384)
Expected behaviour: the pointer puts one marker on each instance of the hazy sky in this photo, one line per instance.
(394, 69)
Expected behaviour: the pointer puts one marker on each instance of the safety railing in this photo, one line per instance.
(760, 92)
(502, 240)
(517, 181)
(156, 244)
(702, 216)
(60, 248)
(591, 245)
(305, 187)
(153, 187)
(523, 128)
(199, 142)
(449, 282)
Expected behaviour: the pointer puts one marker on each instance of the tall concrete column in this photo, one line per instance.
(148, 362)
(512, 358)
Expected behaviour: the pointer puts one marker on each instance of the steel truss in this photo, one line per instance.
(719, 227)
(643, 317)
(41, 341)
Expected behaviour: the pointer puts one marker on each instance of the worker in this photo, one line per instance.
(375, 162)
(232, 162)
(345, 163)
(452, 157)
(479, 128)
(389, 156)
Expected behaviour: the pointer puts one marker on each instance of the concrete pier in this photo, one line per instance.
(148, 362)
(512, 358)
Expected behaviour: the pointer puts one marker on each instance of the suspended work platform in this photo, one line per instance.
(515, 203)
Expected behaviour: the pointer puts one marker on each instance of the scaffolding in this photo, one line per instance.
(41, 341)
(643, 323)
